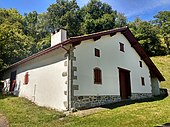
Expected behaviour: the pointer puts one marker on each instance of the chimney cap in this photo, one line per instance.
(57, 30)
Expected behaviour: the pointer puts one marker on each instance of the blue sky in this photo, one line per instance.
(145, 9)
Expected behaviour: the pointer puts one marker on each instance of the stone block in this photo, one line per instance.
(74, 77)
(64, 74)
(74, 68)
(65, 63)
(65, 92)
(65, 104)
(75, 87)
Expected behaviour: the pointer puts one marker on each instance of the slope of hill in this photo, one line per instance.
(163, 64)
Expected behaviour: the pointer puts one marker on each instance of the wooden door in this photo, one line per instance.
(125, 87)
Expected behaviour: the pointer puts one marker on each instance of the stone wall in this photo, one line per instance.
(83, 102)
(140, 95)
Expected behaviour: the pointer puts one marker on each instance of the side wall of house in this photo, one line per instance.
(155, 86)
(47, 76)
(111, 58)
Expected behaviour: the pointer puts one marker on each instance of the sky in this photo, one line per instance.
(144, 9)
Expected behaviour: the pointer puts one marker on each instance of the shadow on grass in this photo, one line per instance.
(164, 125)
(128, 102)
(3, 96)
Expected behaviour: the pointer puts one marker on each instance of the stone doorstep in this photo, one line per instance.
(86, 112)
(3, 121)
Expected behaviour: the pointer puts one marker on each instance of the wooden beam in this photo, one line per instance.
(112, 34)
(76, 43)
(96, 38)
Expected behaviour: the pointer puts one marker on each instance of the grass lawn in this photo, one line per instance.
(22, 113)
(163, 64)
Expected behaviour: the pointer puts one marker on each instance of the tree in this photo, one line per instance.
(162, 21)
(146, 34)
(97, 16)
(36, 27)
(14, 44)
(120, 20)
(64, 14)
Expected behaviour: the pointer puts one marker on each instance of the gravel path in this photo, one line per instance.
(3, 121)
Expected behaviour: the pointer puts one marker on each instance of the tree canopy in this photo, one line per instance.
(24, 35)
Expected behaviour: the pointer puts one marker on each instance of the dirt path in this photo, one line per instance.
(3, 121)
(87, 112)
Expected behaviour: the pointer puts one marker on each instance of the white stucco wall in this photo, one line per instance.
(155, 86)
(46, 84)
(110, 59)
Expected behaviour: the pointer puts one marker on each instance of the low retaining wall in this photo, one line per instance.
(136, 96)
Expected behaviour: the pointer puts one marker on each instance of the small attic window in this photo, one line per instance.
(97, 52)
(122, 47)
(143, 81)
(140, 64)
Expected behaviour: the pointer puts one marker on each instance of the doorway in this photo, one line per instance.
(12, 80)
(125, 85)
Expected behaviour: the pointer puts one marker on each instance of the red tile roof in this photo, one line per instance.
(78, 39)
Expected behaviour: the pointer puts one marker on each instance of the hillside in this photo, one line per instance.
(163, 64)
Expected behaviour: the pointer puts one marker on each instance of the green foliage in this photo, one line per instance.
(64, 14)
(97, 16)
(147, 36)
(120, 20)
(162, 21)
(14, 44)
(23, 113)
(21, 36)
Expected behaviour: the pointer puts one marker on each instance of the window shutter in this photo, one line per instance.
(26, 78)
(122, 47)
(142, 81)
(97, 76)
(97, 52)
(140, 63)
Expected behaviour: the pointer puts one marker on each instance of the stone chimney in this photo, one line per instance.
(58, 36)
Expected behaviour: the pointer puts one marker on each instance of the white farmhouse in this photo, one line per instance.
(85, 71)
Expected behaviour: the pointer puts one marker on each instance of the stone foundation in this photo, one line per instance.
(140, 95)
(82, 102)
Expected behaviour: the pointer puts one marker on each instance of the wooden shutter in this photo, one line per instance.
(97, 76)
(26, 78)
(97, 52)
(142, 81)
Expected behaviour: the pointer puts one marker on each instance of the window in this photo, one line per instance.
(121, 47)
(97, 52)
(142, 81)
(26, 78)
(97, 76)
(140, 63)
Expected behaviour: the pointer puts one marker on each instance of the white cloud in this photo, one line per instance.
(137, 7)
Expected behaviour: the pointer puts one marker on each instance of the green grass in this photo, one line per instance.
(163, 64)
(22, 113)
(147, 114)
